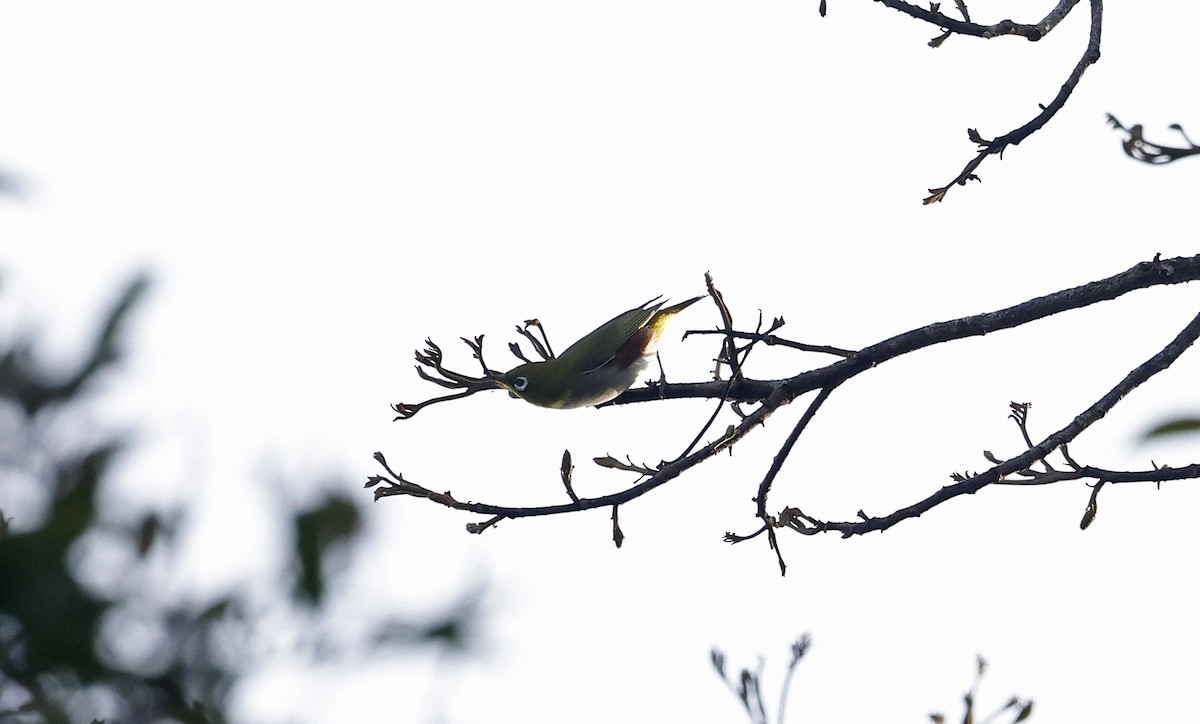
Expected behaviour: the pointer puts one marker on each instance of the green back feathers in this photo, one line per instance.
(587, 354)
(601, 365)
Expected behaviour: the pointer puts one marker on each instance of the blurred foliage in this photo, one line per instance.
(72, 650)
(12, 184)
(316, 532)
(1013, 710)
(747, 686)
(56, 616)
(1175, 427)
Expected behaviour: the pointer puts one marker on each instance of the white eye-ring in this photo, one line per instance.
(520, 384)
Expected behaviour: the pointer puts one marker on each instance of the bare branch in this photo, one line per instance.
(771, 395)
(1143, 275)
(997, 145)
(728, 353)
(432, 358)
(1029, 31)
(1084, 420)
(1139, 149)
(772, 341)
(735, 538)
(728, 350)
(764, 488)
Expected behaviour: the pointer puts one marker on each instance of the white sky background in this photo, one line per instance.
(316, 189)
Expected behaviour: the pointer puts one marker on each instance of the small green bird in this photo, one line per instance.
(597, 368)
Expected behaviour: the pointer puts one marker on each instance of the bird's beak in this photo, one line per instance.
(497, 380)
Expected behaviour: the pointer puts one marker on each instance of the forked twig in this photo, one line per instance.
(432, 358)
(1029, 31)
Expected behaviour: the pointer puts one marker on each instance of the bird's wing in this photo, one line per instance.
(617, 331)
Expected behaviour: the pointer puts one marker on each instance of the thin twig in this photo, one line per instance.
(997, 145)
(799, 648)
(772, 341)
(1029, 31)
(1084, 420)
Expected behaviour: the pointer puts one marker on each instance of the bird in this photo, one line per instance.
(601, 365)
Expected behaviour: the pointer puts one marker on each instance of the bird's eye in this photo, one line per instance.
(520, 384)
